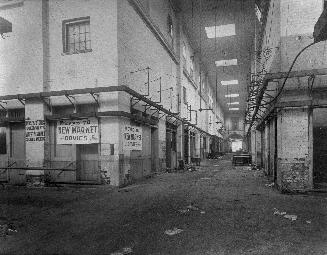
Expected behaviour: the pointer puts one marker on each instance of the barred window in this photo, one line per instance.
(77, 36)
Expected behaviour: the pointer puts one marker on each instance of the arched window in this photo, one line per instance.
(170, 25)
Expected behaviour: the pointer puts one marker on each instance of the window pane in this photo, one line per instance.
(76, 47)
(88, 45)
(71, 47)
(87, 27)
(87, 37)
(82, 46)
(82, 28)
(71, 39)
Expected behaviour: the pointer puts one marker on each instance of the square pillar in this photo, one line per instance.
(36, 138)
(197, 145)
(294, 150)
(162, 144)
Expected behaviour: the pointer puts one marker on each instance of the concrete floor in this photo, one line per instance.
(232, 212)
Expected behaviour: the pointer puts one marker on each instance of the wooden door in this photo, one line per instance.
(17, 152)
(87, 162)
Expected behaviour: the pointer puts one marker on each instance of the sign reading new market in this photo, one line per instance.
(84, 131)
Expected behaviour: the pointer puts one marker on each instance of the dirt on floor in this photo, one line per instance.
(218, 209)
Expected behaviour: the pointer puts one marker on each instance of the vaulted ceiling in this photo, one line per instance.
(198, 14)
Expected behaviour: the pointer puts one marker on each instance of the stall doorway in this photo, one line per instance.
(154, 150)
(320, 146)
(171, 154)
(186, 146)
(87, 162)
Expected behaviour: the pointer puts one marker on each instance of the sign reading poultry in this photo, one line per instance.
(132, 138)
(85, 131)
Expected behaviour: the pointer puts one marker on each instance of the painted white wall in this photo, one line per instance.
(92, 69)
(21, 52)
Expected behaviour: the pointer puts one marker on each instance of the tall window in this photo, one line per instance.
(192, 66)
(184, 96)
(184, 53)
(76, 35)
(325, 4)
(170, 26)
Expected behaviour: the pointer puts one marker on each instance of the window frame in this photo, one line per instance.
(65, 25)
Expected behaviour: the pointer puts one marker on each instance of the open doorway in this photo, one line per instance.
(237, 145)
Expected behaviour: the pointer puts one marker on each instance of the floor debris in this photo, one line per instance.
(124, 251)
(308, 221)
(290, 217)
(206, 178)
(183, 211)
(277, 212)
(173, 231)
(192, 207)
(270, 184)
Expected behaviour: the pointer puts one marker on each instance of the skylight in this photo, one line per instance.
(234, 103)
(231, 82)
(221, 31)
(232, 95)
(226, 62)
(234, 109)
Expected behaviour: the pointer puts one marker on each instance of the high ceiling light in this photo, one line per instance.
(231, 82)
(234, 109)
(232, 95)
(226, 62)
(221, 31)
(234, 103)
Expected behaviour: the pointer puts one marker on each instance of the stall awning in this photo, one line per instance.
(5, 26)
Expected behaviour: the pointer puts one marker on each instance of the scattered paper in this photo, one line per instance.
(277, 212)
(308, 222)
(290, 217)
(173, 231)
(124, 251)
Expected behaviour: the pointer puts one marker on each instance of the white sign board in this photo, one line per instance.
(132, 138)
(35, 130)
(85, 131)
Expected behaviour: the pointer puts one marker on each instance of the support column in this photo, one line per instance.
(180, 143)
(197, 145)
(253, 146)
(35, 137)
(114, 161)
(294, 152)
(258, 148)
(162, 144)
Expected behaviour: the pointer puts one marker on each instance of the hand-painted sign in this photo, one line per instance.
(132, 138)
(35, 130)
(85, 131)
